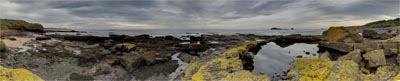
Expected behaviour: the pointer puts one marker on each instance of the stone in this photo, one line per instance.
(375, 58)
(343, 34)
(344, 71)
(108, 43)
(17, 75)
(325, 56)
(371, 34)
(149, 57)
(354, 55)
(130, 63)
(2, 46)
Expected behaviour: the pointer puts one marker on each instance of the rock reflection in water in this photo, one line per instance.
(274, 61)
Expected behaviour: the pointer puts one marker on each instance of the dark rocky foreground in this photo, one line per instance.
(344, 55)
(122, 57)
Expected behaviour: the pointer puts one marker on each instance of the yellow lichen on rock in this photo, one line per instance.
(245, 76)
(338, 32)
(17, 75)
(126, 45)
(383, 73)
(305, 69)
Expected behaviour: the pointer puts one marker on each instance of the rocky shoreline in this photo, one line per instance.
(344, 55)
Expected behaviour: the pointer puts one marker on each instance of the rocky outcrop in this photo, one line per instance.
(228, 66)
(342, 34)
(18, 75)
(384, 73)
(375, 58)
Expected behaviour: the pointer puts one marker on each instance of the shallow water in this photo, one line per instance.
(182, 65)
(273, 60)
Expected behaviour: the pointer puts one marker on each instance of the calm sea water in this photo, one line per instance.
(274, 61)
(178, 33)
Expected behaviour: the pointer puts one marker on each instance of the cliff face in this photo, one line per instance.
(20, 25)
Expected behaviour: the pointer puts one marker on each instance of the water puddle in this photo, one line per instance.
(274, 61)
(182, 65)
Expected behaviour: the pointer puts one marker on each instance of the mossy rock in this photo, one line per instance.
(149, 57)
(17, 75)
(2, 46)
(130, 64)
(354, 55)
(383, 73)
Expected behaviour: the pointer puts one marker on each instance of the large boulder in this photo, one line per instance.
(354, 55)
(17, 75)
(2, 46)
(375, 58)
(369, 33)
(342, 34)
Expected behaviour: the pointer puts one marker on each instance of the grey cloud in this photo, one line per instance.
(198, 13)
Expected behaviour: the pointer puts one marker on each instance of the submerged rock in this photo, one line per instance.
(375, 58)
(354, 55)
(18, 75)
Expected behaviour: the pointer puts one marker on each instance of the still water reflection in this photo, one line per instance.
(273, 60)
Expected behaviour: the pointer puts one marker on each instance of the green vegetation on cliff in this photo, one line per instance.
(20, 25)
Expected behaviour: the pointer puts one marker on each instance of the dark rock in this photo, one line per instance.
(76, 76)
(86, 59)
(192, 49)
(285, 41)
(340, 47)
(125, 47)
(108, 43)
(43, 38)
(12, 38)
(371, 34)
(185, 57)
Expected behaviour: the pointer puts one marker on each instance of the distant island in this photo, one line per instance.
(276, 28)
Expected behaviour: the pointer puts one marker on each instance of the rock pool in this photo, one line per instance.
(274, 61)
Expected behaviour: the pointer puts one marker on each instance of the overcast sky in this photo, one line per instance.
(198, 14)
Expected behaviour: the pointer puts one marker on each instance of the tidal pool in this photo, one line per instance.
(274, 61)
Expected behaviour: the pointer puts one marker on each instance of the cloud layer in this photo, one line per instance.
(198, 14)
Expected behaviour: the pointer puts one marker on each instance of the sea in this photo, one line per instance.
(191, 32)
